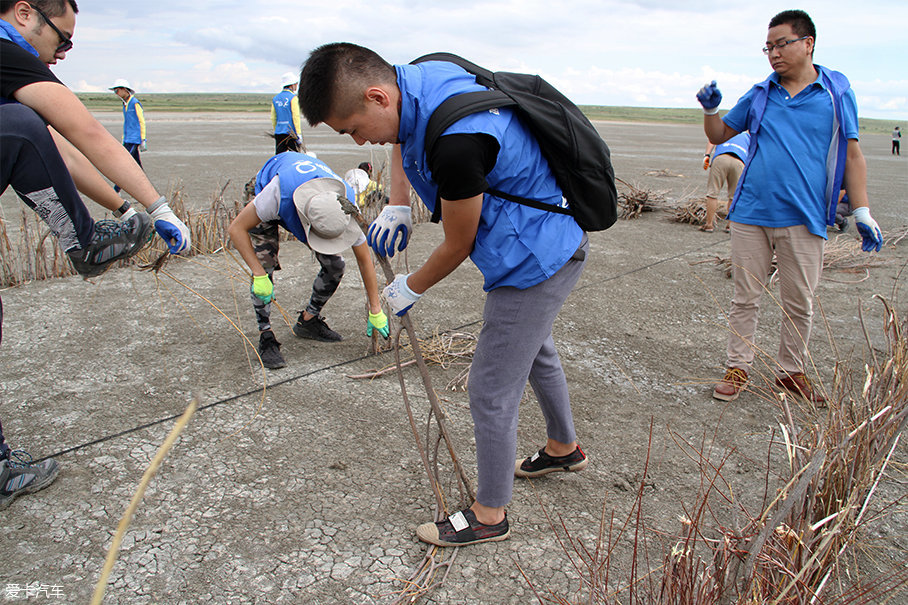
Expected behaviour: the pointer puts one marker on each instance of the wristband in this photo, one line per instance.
(119, 212)
(711, 112)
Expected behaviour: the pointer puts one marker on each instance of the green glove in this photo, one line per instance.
(378, 321)
(263, 288)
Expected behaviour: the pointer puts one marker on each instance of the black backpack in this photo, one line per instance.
(577, 155)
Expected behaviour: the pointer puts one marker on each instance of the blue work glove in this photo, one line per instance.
(710, 97)
(377, 321)
(263, 288)
(399, 295)
(383, 232)
(869, 230)
(171, 229)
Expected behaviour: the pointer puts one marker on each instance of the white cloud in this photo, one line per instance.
(651, 52)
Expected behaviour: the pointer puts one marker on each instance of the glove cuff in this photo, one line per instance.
(162, 201)
(861, 213)
(711, 112)
(406, 288)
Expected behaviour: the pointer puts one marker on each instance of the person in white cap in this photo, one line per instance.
(303, 195)
(285, 116)
(133, 120)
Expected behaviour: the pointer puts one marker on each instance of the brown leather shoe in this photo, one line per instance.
(731, 385)
(798, 384)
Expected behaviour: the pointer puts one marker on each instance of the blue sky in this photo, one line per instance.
(649, 53)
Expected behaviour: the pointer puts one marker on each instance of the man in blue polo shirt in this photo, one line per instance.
(804, 147)
(530, 259)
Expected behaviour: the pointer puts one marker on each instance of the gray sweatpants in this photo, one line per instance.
(515, 344)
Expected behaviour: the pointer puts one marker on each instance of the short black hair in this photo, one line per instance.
(53, 8)
(800, 23)
(333, 77)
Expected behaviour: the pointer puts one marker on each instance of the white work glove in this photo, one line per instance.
(171, 229)
(383, 232)
(869, 230)
(399, 296)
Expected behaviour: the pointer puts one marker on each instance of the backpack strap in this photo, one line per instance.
(484, 76)
(465, 104)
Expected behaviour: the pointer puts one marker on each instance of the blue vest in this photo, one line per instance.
(283, 112)
(132, 130)
(8, 32)
(294, 169)
(837, 85)
(515, 245)
(736, 146)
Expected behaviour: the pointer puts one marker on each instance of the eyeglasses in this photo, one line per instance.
(66, 42)
(769, 47)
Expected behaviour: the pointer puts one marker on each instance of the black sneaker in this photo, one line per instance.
(270, 351)
(462, 529)
(316, 329)
(18, 478)
(541, 463)
(112, 241)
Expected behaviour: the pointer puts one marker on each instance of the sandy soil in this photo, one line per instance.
(309, 494)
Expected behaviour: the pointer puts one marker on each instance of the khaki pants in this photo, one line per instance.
(800, 260)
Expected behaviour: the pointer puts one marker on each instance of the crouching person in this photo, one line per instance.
(303, 195)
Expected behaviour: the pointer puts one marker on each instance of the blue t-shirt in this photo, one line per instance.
(785, 182)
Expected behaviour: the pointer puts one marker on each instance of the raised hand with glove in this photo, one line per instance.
(263, 288)
(378, 322)
(393, 221)
(710, 97)
(399, 296)
(869, 230)
(171, 229)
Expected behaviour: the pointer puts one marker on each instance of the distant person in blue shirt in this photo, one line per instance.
(133, 121)
(725, 165)
(803, 123)
(285, 116)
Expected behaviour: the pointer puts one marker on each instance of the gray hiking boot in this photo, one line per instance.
(18, 478)
(112, 241)
(270, 351)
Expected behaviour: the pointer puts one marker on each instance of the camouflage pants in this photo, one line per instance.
(265, 242)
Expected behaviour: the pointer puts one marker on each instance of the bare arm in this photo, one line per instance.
(239, 234)
(87, 179)
(400, 186)
(460, 225)
(367, 271)
(716, 130)
(856, 175)
(69, 117)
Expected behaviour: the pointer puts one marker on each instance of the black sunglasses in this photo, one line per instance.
(66, 42)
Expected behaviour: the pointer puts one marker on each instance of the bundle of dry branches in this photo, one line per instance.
(636, 201)
(693, 212)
